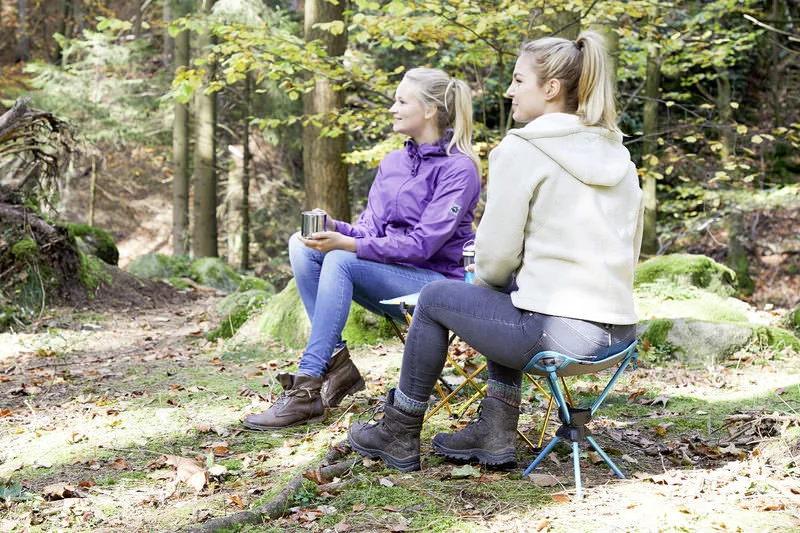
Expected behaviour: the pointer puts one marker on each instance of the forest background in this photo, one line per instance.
(198, 128)
(243, 112)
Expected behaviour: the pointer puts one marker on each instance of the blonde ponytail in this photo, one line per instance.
(596, 105)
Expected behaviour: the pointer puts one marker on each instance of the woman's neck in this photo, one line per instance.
(428, 136)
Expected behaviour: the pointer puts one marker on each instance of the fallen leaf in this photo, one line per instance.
(544, 524)
(561, 497)
(543, 480)
(5, 413)
(359, 507)
(86, 483)
(236, 500)
(391, 508)
(386, 482)
(189, 471)
(59, 491)
(120, 464)
(342, 526)
(465, 471)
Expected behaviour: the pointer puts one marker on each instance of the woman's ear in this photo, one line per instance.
(552, 89)
(430, 111)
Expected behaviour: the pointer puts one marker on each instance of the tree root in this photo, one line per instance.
(329, 467)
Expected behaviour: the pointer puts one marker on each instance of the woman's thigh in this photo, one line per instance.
(485, 319)
(373, 282)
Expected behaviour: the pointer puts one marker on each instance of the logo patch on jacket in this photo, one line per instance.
(454, 209)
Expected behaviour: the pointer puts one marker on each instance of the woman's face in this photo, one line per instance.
(528, 98)
(410, 116)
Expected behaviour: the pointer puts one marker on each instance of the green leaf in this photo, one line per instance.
(465, 472)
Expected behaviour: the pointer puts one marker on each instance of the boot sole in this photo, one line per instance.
(358, 386)
(506, 456)
(403, 465)
(259, 427)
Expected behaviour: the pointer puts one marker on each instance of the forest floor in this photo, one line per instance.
(130, 421)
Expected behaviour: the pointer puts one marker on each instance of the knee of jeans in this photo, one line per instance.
(433, 292)
(339, 259)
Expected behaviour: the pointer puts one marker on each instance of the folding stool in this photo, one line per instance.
(553, 365)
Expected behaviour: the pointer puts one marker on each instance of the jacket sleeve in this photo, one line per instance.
(458, 186)
(500, 239)
(365, 225)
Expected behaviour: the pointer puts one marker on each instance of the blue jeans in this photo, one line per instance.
(329, 282)
(507, 336)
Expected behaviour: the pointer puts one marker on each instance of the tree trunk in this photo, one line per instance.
(325, 173)
(169, 42)
(180, 159)
(244, 240)
(204, 236)
(23, 38)
(64, 12)
(649, 147)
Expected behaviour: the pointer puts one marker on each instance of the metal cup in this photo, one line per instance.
(312, 222)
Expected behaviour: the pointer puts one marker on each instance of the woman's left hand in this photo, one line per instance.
(325, 241)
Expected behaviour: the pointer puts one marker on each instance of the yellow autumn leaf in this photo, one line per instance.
(756, 139)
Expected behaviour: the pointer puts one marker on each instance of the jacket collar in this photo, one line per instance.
(437, 148)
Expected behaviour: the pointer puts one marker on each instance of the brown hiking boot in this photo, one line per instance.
(393, 438)
(491, 439)
(341, 379)
(300, 403)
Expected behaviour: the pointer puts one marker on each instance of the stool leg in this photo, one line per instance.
(605, 457)
(576, 466)
(541, 455)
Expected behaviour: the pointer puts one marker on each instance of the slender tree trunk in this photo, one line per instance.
(64, 12)
(204, 236)
(92, 191)
(244, 241)
(169, 42)
(23, 38)
(180, 159)
(649, 147)
(324, 170)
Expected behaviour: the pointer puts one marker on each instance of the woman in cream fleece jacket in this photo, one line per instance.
(555, 255)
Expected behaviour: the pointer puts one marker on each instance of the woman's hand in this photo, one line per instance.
(325, 241)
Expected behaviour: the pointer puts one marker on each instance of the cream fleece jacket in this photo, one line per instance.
(563, 217)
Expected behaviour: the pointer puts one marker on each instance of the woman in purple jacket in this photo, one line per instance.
(418, 217)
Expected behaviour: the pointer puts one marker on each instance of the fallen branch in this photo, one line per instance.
(329, 467)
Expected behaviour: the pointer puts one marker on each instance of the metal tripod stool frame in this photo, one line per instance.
(553, 365)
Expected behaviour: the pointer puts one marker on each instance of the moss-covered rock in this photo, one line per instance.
(246, 300)
(284, 319)
(95, 241)
(687, 270)
(216, 273)
(158, 266)
(249, 283)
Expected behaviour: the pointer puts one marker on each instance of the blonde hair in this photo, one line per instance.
(453, 101)
(582, 67)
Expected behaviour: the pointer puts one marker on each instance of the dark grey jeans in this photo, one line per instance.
(507, 336)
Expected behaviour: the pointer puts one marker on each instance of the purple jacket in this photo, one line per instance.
(420, 209)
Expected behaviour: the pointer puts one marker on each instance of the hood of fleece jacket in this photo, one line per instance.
(593, 155)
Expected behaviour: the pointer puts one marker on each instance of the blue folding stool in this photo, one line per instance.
(553, 365)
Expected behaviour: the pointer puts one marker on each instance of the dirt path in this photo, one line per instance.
(131, 422)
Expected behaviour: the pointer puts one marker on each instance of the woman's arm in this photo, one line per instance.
(500, 240)
(455, 196)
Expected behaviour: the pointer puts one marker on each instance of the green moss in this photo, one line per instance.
(159, 266)
(92, 274)
(686, 269)
(249, 283)
(657, 332)
(230, 324)
(25, 249)
(776, 338)
(363, 327)
(213, 272)
(100, 242)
